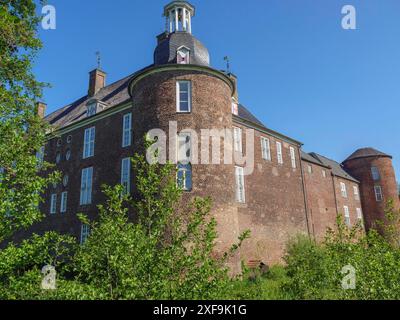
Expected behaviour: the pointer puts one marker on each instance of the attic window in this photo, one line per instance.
(183, 56)
(92, 109)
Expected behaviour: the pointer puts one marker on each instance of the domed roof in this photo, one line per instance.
(166, 51)
(366, 153)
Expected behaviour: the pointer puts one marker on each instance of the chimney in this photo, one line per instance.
(97, 80)
(235, 81)
(41, 109)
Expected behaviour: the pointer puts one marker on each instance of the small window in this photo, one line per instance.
(91, 109)
(235, 108)
(343, 189)
(310, 169)
(237, 139)
(356, 193)
(65, 180)
(183, 56)
(324, 173)
(40, 157)
(279, 152)
(293, 157)
(240, 187)
(184, 96)
(359, 214)
(69, 139)
(378, 193)
(58, 157)
(184, 176)
(64, 199)
(53, 204)
(126, 175)
(184, 147)
(375, 174)
(59, 143)
(68, 155)
(347, 216)
(89, 140)
(86, 186)
(266, 149)
(85, 232)
(127, 130)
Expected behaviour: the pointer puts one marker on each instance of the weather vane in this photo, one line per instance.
(98, 59)
(228, 65)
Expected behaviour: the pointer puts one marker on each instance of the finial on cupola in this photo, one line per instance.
(179, 16)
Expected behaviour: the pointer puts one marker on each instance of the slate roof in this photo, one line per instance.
(336, 167)
(113, 95)
(165, 52)
(308, 157)
(365, 153)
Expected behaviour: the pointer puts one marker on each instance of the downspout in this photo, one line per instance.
(305, 196)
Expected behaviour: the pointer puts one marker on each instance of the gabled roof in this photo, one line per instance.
(308, 157)
(365, 153)
(336, 167)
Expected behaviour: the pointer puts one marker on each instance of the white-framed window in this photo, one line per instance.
(127, 131)
(356, 193)
(279, 152)
(184, 96)
(126, 175)
(378, 193)
(235, 108)
(64, 200)
(68, 155)
(183, 56)
(65, 180)
(91, 109)
(347, 216)
(184, 176)
(266, 148)
(58, 157)
(240, 185)
(359, 214)
(293, 157)
(53, 204)
(324, 173)
(237, 139)
(86, 186)
(184, 147)
(40, 156)
(89, 139)
(309, 169)
(343, 189)
(376, 176)
(85, 232)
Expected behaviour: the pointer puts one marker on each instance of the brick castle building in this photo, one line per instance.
(288, 192)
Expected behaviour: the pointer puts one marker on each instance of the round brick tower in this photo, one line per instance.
(378, 185)
(180, 91)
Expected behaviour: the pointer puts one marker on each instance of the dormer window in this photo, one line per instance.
(91, 109)
(183, 55)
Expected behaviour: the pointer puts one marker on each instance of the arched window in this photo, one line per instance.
(184, 176)
(183, 55)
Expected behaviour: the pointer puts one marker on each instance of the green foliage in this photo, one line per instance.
(315, 270)
(22, 132)
(167, 252)
(20, 266)
(265, 287)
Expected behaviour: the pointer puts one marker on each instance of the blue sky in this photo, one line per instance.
(299, 72)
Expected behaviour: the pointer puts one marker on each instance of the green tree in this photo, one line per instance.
(22, 132)
(167, 252)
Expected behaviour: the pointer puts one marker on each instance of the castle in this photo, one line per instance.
(288, 191)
